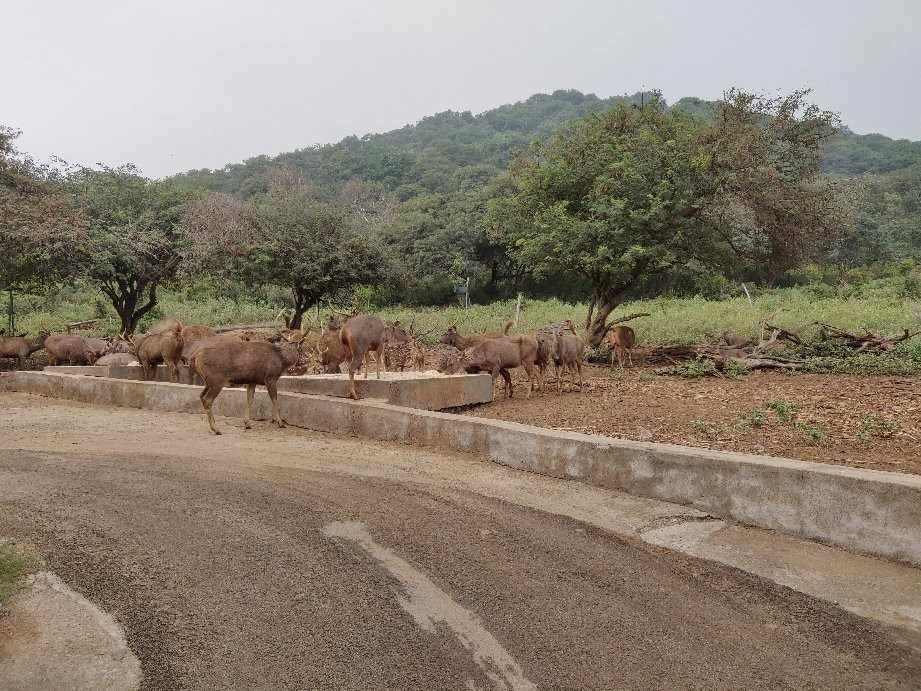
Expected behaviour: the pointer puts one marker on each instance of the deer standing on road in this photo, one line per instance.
(253, 363)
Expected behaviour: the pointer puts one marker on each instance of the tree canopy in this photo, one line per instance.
(633, 198)
(130, 242)
(36, 216)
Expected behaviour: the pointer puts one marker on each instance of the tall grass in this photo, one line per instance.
(671, 320)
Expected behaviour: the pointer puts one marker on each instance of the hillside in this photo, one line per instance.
(452, 151)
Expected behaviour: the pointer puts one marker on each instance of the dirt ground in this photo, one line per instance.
(858, 421)
(220, 558)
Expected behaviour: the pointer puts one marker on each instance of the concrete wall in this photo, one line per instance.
(426, 393)
(860, 510)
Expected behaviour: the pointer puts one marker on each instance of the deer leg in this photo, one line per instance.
(507, 388)
(378, 356)
(367, 362)
(529, 369)
(250, 392)
(272, 388)
(207, 399)
(630, 355)
(174, 371)
(613, 355)
(579, 367)
(354, 365)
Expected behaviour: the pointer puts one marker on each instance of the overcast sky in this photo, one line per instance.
(174, 85)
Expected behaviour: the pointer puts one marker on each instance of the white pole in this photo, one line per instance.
(467, 296)
(517, 309)
(747, 295)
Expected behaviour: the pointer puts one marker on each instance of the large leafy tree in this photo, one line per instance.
(37, 217)
(640, 195)
(288, 238)
(131, 242)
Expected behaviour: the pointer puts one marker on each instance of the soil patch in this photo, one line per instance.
(857, 421)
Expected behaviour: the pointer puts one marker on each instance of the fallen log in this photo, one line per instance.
(869, 341)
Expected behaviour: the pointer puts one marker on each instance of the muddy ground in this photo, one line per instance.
(217, 556)
(858, 421)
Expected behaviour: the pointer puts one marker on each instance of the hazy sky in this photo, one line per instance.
(173, 85)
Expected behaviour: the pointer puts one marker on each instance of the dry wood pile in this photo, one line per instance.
(729, 348)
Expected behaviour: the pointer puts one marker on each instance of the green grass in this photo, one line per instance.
(15, 562)
(879, 305)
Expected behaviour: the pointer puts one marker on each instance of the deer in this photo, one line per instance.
(251, 363)
(168, 324)
(117, 359)
(363, 334)
(74, 350)
(20, 347)
(567, 353)
(152, 349)
(734, 341)
(544, 337)
(453, 338)
(195, 332)
(620, 341)
(498, 355)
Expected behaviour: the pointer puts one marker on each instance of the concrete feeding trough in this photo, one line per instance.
(423, 390)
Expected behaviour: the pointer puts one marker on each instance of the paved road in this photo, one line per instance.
(288, 559)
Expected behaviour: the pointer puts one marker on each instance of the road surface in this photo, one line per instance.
(292, 559)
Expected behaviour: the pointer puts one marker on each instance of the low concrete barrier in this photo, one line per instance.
(860, 510)
(407, 390)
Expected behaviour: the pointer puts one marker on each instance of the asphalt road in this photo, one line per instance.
(289, 559)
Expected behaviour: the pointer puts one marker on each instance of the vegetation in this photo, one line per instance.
(589, 206)
(633, 199)
(15, 562)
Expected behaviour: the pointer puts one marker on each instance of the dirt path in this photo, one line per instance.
(288, 559)
(858, 421)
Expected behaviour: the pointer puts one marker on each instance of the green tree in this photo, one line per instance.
(641, 195)
(287, 238)
(131, 241)
(36, 218)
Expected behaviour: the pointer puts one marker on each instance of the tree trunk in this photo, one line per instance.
(125, 298)
(303, 300)
(597, 327)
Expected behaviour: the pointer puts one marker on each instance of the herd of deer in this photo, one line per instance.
(249, 358)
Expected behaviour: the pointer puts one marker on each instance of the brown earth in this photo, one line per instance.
(858, 421)
(220, 558)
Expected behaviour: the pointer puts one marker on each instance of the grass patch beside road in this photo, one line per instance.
(15, 562)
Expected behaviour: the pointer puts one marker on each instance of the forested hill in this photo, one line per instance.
(444, 152)
(453, 151)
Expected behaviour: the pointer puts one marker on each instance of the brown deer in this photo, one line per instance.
(188, 350)
(117, 359)
(20, 347)
(545, 341)
(453, 338)
(152, 349)
(498, 355)
(620, 341)
(168, 324)
(567, 353)
(74, 350)
(195, 332)
(363, 334)
(253, 363)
